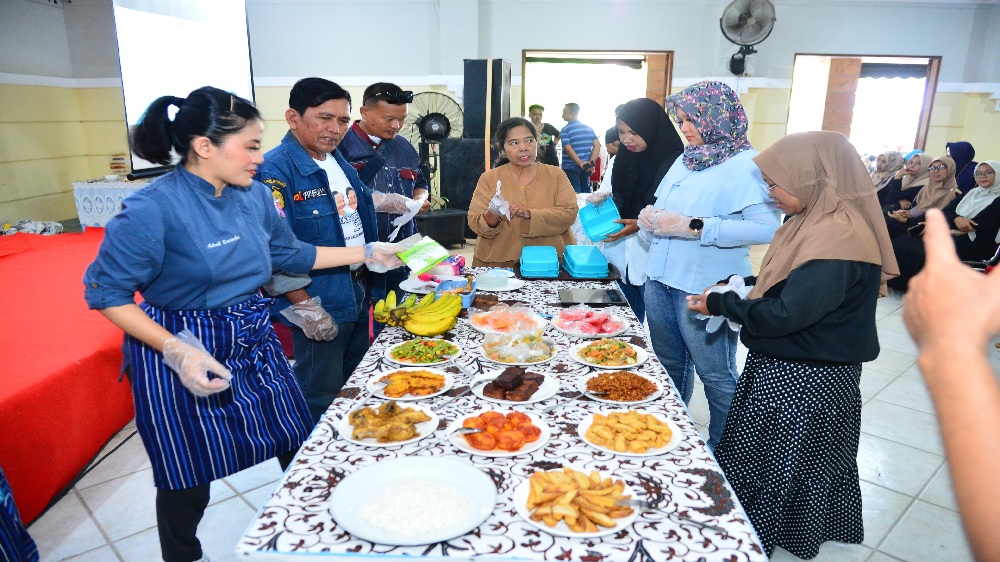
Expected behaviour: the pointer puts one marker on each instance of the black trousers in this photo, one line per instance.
(178, 513)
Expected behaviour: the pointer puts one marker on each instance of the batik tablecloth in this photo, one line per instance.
(296, 522)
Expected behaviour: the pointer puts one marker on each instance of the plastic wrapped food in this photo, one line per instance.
(518, 347)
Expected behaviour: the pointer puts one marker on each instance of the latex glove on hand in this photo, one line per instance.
(598, 197)
(664, 222)
(186, 355)
(313, 319)
(381, 256)
(498, 205)
(736, 285)
(390, 202)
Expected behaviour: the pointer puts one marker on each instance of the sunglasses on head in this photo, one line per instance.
(394, 97)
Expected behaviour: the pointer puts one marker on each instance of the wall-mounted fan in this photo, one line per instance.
(746, 23)
(432, 118)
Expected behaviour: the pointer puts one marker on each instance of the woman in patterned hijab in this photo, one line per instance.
(711, 206)
(718, 116)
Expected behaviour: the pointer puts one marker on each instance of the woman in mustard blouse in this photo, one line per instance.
(520, 202)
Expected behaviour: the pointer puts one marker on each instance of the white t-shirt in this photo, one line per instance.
(347, 202)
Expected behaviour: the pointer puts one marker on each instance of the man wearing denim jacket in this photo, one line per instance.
(387, 163)
(311, 181)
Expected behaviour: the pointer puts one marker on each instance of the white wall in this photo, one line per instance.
(33, 40)
(420, 38)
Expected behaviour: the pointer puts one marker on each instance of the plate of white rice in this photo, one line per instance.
(413, 501)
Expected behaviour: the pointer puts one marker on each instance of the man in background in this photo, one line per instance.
(310, 180)
(548, 136)
(386, 163)
(581, 147)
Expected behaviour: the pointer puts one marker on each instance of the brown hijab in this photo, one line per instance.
(842, 219)
(922, 176)
(937, 194)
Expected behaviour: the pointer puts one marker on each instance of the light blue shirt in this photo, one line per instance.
(732, 199)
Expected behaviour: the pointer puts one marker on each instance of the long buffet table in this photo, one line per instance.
(296, 521)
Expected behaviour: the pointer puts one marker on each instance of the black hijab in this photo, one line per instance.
(636, 175)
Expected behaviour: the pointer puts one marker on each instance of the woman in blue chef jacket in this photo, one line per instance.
(213, 392)
(710, 208)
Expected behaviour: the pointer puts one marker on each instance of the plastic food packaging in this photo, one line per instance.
(518, 347)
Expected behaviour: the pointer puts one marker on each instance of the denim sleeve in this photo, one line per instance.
(756, 225)
(130, 256)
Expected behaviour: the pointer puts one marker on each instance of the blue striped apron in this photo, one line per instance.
(15, 542)
(193, 440)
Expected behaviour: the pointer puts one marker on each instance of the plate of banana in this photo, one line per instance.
(429, 315)
(410, 383)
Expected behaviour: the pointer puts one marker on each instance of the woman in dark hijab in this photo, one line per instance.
(649, 146)
(963, 153)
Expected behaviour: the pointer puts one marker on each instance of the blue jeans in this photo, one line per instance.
(322, 367)
(683, 346)
(579, 179)
(634, 296)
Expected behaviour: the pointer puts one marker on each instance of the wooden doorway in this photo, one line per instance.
(825, 96)
(654, 67)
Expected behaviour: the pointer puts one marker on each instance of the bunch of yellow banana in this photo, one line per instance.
(424, 317)
(435, 318)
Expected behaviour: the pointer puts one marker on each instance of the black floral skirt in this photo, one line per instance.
(790, 451)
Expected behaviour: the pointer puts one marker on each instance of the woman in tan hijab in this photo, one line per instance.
(791, 440)
(939, 190)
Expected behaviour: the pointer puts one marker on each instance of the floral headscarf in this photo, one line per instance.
(718, 115)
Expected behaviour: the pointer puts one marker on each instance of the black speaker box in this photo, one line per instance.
(474, 96)
(462, 162)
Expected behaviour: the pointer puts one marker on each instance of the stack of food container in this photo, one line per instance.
(585, 261)
(539, 261)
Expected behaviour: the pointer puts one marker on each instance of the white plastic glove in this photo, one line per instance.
(186, 355)
(598, 197)
(390, 202)
(735, 285)
(381, 256)
(664, 222)
(313, 319)
(411, 208)
(498, 205)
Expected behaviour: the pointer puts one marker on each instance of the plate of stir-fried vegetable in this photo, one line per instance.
(423, 351)
(608, 353)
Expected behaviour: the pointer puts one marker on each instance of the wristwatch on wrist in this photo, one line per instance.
(695, 226)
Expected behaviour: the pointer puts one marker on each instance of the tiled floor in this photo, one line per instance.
(909, 509)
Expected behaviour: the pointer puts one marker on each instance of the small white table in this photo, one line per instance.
(99, 200)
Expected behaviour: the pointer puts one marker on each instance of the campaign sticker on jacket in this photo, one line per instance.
(310, 194)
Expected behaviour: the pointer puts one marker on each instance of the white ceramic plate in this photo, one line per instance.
(546, 390)
(378, 389)
(388, 355)
(460, 442)
(361, 487)
(675, 438)
(555, 351)
(582, 386)
(423, 430)
(640, 357)
(511, 285)
(418, 287)
(539, 324)
(619, 319)
(562, 529)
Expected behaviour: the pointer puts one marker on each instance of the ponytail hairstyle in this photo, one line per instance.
(207, 112)
(500, 137)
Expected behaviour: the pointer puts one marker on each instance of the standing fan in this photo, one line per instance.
(746, 23)
(432, 118)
